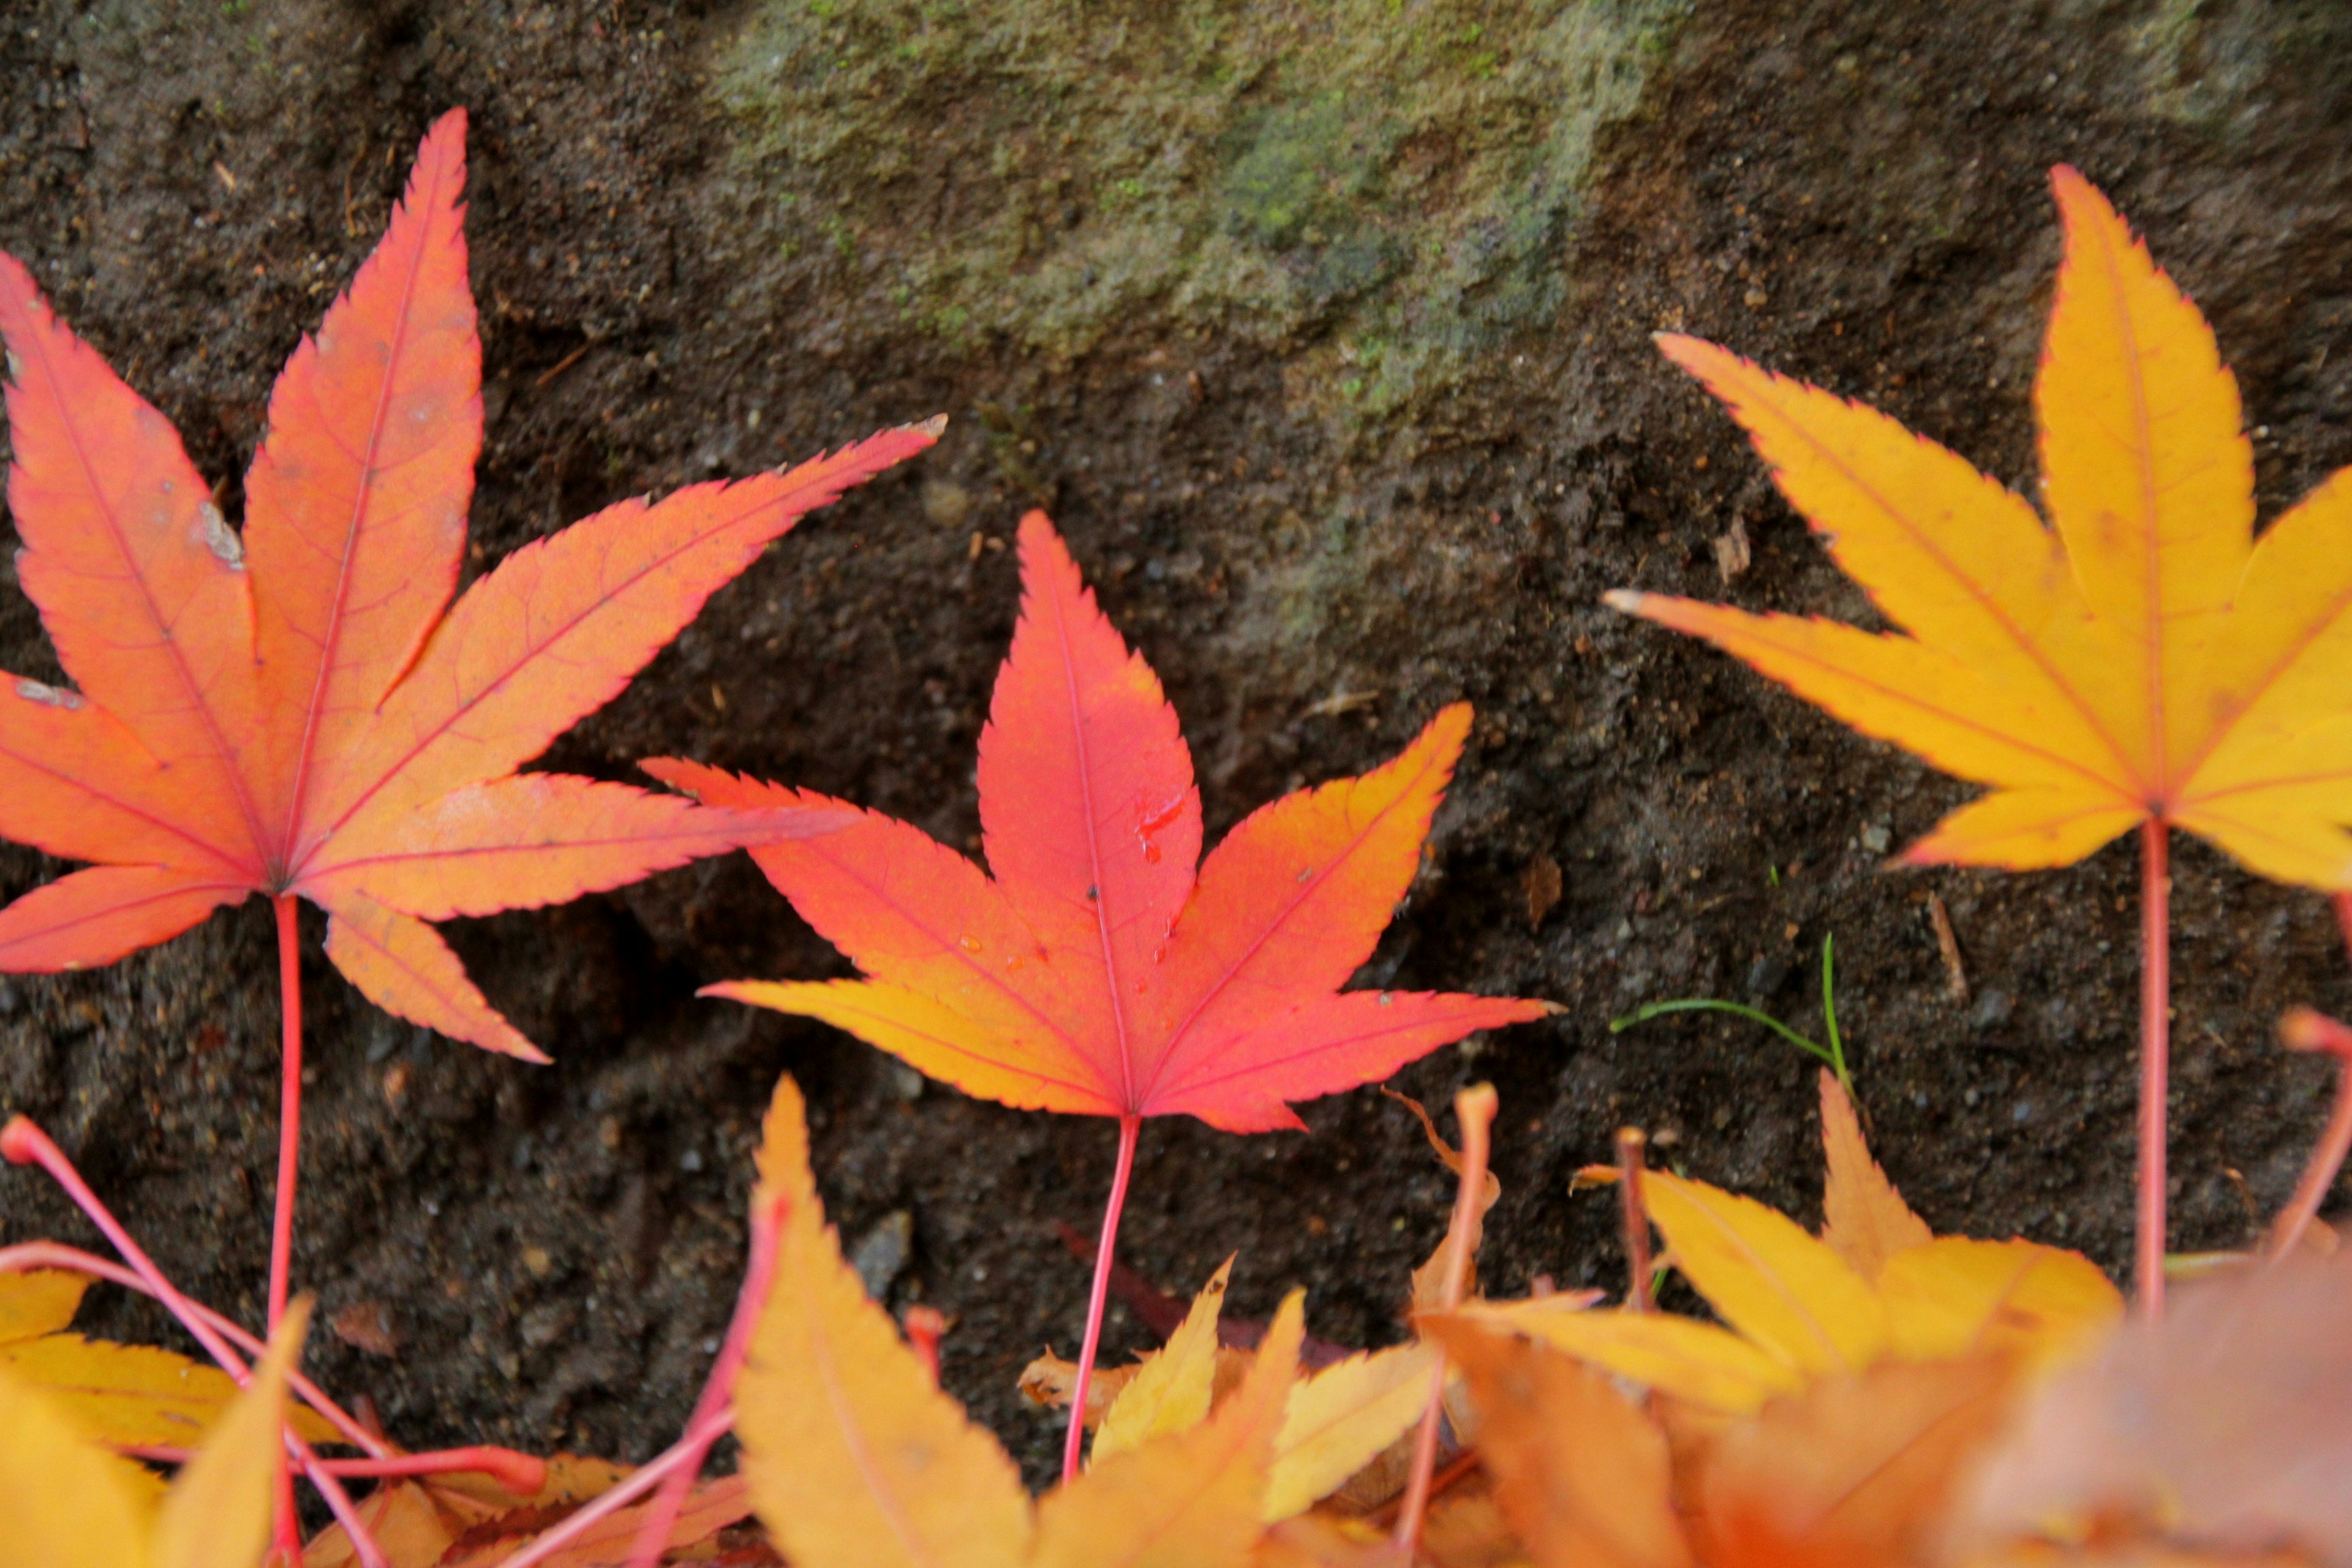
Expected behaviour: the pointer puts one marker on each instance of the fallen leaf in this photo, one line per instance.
(1853, 1471)
(127, 1395)
(1342, 1418)
(1172, 1391)
(712, 1506)
(1094, 973)
(1798, 1311)
(1542, 886)
(216, 1514)
(2149, 660)
(1429, 1279)
(854, 1457)
(2226, 1429)
(367, 1326)
(1584, 1476)
(1957, 1297)
(65, 1504)
(1863, 1219)
(1193, 1500)
(403, 1518)
(288, 710)
(1697, 1363)
(1790, 1295)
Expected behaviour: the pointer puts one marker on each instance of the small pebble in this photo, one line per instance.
(880, 1254)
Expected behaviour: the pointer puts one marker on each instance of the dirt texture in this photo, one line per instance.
(1323, 330)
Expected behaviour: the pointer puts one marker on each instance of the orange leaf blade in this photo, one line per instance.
(92, 918)
(1057, 983)
(1194, 1498)
(77, 783)
(965, 990)
(358, 497)
(1582, 1475)
(140, 585)
(1087, 800)
(1852, 1471)
(1243, 1082)
(402, 967)
(560, 626)
(1296, 897)
(531, 839)
(936, 1040)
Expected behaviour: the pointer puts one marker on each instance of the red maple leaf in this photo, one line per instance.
(1095, 972)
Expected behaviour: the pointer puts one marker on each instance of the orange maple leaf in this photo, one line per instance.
(290, 711)
(2149, 661)
(1094, 973)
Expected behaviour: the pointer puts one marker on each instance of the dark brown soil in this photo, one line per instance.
(1849, 190)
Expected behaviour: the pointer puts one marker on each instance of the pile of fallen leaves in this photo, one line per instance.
(307, 707)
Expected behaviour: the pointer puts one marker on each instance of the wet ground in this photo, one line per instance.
(1323, 334)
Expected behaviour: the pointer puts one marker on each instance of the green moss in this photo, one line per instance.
(2209, 64)
(1350, 172)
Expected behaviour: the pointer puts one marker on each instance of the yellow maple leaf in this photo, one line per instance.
(66, 1506)
(1876, 1287)
(1172, 1391)
(2149, 661)
(857, 1460)
(124, 1395)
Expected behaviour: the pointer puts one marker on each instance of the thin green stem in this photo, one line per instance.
(1836, 1053)
(1832, 1056)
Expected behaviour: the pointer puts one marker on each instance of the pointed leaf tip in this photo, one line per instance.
(934, 427)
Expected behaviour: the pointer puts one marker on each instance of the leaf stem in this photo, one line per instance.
(2305, 1030)
(23, 1143)
(1474, 1109)
(1131, 1129)
(289, 1105)
(522, 1474)
(2155, 1045)
(1634, 1212)
(289, 1529)
(718, 1393)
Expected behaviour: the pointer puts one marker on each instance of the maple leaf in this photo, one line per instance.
(66, 1506)
(2149, 661)
(132, 1396)
(1796, 1310)
(857, 1460)
(1095, 972)
(2226, 1430)
(1584, 1476)
(290, 710)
